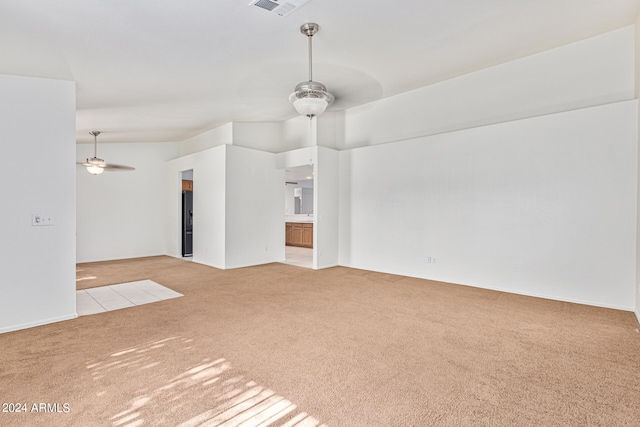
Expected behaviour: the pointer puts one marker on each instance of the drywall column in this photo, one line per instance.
(37, 272)
(237, 207)
(254, 201)
(637, 95)
(326, 208)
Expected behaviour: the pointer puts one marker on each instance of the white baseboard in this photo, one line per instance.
(637, 313)
(37, 323)
(82, 261)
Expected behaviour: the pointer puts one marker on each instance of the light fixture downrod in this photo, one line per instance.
(310, 98)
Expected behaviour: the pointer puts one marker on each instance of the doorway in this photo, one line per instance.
(299, 216)
(186, 218)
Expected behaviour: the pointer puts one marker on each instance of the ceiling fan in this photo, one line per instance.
(96, 166)
(310, 98)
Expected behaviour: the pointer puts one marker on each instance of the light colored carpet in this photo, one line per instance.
(95, 274)
(283, 345)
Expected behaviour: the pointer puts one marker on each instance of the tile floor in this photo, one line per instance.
(115, 297)
(302, 257)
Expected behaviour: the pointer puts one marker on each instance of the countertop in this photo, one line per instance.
(298, 218)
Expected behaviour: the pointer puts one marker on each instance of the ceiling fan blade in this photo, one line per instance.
(108, 167)
(112, 167)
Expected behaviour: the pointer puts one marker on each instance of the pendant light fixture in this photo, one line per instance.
(310, 98)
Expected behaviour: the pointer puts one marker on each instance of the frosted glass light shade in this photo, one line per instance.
(95, 170)
(310, 106)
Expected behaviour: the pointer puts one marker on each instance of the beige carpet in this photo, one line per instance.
(95, 274)
(282, 345)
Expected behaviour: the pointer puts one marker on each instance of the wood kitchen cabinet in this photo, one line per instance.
(299, 234)
(307, 235)
(288, 230)
(187, 185)
(296, 234)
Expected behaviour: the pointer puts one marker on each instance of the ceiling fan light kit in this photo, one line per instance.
(310, 107)
(95, 168)
(310, 98)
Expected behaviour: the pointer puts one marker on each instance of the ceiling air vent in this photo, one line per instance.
(280, 7)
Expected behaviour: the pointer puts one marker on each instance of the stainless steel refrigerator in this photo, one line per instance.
(187, 223)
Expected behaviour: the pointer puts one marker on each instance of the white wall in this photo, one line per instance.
(254, 216)
(259, 136)
(272, 137)
(543, 206)
(212, 138)
(287, 135)
(329, 125)
(37, 132)
(298, 157)
(120, 214)
(298, 132)
(590, 72)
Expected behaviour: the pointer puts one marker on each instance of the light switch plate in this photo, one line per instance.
(40, 219)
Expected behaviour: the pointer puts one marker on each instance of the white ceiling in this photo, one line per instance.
(166, 70)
